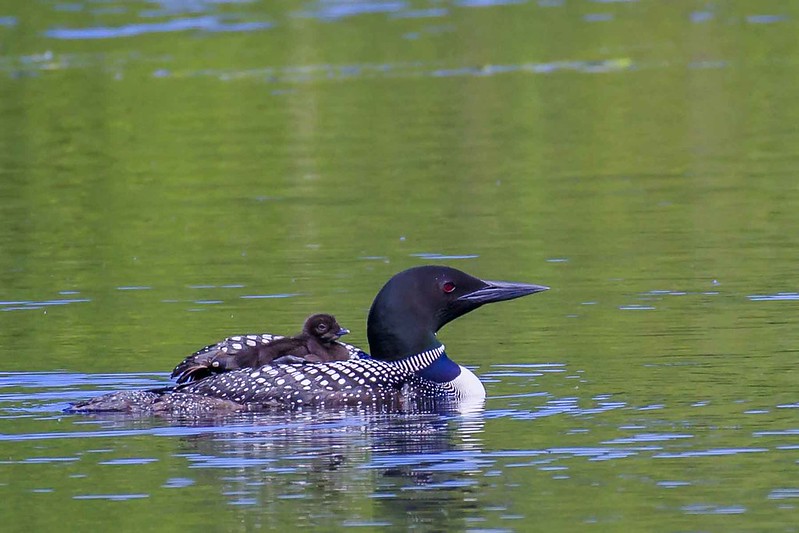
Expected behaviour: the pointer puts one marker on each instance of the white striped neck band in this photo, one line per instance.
(420, 361)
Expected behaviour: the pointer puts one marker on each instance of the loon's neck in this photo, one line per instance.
(402, 323)
(434, 365)
(394, 336)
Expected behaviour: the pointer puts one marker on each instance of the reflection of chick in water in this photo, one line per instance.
(316, 344)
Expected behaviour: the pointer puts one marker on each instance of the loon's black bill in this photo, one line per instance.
(342, 332)
(499, 291)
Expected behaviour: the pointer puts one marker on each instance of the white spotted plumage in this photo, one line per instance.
(339, 382)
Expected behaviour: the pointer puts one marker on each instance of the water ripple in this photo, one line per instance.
(111, 497)
(21, 305)
(178, 483)
(781, 494)
(421, 13)
(115, 64)
(487, 3)
(701, 16)
(765, 19)
(443, 257)
(709, 453)
(774, 297)
(648, 437)
(207, 23)
(129, 461)
(332, 10)
(268, 296)
(713, 509)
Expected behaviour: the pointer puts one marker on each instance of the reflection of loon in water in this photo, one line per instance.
(418, 468)
(408, 365)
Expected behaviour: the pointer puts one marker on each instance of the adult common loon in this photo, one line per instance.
(316, 344)
(408, 365)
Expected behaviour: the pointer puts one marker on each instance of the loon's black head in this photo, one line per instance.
(416, 303)
(323, 327)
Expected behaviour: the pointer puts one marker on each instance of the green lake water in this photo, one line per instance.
(173, 172)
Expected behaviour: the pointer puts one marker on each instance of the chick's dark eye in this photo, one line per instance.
(448, 287)
(322, 327)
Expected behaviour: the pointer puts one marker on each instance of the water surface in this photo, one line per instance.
(175, 172)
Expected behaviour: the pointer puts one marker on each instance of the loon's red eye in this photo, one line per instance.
(448, 287)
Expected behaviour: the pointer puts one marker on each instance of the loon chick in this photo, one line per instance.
(408, 364)
(316, 344)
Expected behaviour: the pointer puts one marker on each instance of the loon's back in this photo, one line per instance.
(357, 382)
(250, 351)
